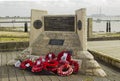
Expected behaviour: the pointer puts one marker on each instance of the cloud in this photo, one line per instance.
(23, 7)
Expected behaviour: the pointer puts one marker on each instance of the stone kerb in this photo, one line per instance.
(107, 59)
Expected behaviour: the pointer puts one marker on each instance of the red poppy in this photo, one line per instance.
(51, 65)
(50, 56)
(64, 56)
(75, 66)
(26, 64)
(38, 65)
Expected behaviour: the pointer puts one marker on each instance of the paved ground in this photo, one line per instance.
(10, 73)
(110, 48)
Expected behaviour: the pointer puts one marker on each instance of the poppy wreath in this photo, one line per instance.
(75, 66)
(27, 64)
(50, 56)
(64, 56)
(51, 65)
(65, 70)
(62, 63)
(38, 65)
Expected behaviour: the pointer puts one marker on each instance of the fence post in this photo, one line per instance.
(25, 27)
(89, 27)
(107, 26)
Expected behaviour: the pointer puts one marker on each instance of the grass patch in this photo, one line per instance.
(13, 36)
(13, 29)
(106, 34)
(12, 39)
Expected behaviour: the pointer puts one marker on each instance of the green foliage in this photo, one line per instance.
(13, 36)
(106, 34)
(12, 39)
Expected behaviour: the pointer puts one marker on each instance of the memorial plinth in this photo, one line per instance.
(55, 33)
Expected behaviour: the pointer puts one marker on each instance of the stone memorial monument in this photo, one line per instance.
(55, 33)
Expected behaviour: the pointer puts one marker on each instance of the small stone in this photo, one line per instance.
(99, 72)
(89, 71)
(92, 64)
(90, 74)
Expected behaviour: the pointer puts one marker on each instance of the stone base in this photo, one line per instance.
(89, 66)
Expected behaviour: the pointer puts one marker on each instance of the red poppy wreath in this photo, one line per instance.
(64, 56)
(38, 65)
(51, 65)
(50, 56)
(75, 66)
(64, 70)
(26, 64)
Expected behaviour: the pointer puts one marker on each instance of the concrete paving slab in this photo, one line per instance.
(109, 48)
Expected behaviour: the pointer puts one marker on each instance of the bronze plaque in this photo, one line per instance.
(79, 24)
(56, 42)
(37, 24)
(59, 23)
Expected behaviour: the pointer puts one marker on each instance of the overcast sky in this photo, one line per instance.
(23, 7)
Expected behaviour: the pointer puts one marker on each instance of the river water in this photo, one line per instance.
(101, 26)
(97, 26)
